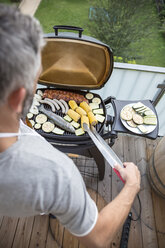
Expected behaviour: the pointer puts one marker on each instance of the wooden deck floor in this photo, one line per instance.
(148, 232)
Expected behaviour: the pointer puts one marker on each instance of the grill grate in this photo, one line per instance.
(67, 135)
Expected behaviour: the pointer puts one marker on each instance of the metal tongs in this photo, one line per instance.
(105, 149)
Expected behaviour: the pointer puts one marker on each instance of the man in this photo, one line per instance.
(36, 178)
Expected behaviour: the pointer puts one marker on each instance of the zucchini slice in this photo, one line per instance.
(149, 112)
(89, 96)
(131, 123)
(47, 127)
(94, 105)
(67, 118)
(37, 126)
(75, 124)
(79, 131)
(126, 115)
(57, 130)
(100, 118)
(150, 121)
(98, 111)
(41, 118)
(138, 105)
(96, 100)
(142, 128)
(138, 119)
(29, 115)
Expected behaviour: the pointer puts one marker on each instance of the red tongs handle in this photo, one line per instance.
(118, 174)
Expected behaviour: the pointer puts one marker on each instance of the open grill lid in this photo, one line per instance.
(77, 62)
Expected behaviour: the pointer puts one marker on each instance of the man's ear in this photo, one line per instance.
(16, 99)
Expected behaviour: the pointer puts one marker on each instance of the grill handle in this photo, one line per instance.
(57, 27)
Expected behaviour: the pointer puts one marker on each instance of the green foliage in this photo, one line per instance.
(122, 23)
(149, 49)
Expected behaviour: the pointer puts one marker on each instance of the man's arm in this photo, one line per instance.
(112, 217)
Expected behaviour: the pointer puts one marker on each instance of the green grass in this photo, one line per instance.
(8, 2)
(75, 13)
(63, 12)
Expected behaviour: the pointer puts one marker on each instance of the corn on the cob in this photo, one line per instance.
(75, 116)
(81, 111)
(85, 106)
(84, 119)
(92, 119)
(73, 104)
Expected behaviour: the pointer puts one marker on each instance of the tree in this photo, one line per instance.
(121, 23)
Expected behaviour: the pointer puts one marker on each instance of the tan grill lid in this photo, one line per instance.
(78, 63)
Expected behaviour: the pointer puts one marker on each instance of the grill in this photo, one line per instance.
(80, 64)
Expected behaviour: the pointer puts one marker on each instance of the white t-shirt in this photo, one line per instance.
(36, 178)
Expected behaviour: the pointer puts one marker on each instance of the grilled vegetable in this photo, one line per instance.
(57, 130)
(37, 126)
(89, 96)
(49, 103)
(138, 119)
(98, 111)
(92, 119)
(84, 119)
(29, 115)
(131, 123)
(150, 121)
(94, 105)
(47, 127)
(126, 114)
(40, 93)
(142, 128)
(137, 105)
(41, 118)
(75, 124)
(58, 120)
(130, 109)
(34, 110)
(100, 118)
(73, 104)
(81, 111)
(75, 116)
(67, 118)
(37, 97)
(149, 113)
(85, 106)
(96, 100)
(79, 132)
(35, 102)
(65, 105)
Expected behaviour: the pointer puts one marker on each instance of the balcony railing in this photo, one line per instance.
(138, 82)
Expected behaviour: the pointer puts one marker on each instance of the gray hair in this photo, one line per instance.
(21, 40)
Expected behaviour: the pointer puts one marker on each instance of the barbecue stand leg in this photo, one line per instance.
(99, 159)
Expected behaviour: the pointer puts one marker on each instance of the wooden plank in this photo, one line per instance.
(147, 214)
(135, 229)
(51, 241)
(39, 232)
(23, 233)
(7, 231)
(158, 202)
(117, 184)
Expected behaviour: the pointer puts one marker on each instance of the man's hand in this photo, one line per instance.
(130, 173)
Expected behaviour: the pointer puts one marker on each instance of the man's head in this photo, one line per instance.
(21, 41)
